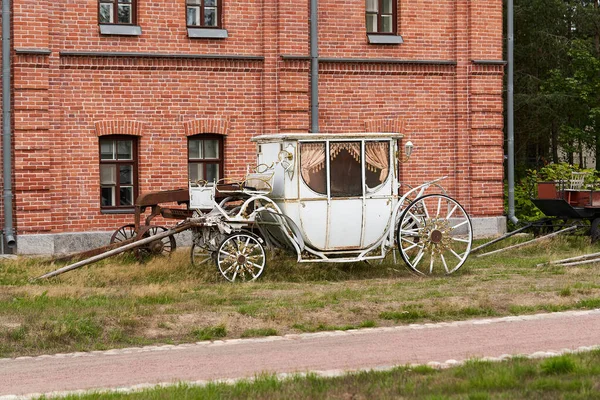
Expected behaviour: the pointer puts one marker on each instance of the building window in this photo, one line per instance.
(116, 12)
(205, 158)
(203, 13)
(118, 172)
(381, 16)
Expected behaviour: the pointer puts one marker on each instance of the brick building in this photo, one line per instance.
(112, 98)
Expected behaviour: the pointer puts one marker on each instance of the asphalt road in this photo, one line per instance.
(328, 351)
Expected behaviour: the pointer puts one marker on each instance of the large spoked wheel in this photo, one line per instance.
(122, 234)
(434, 234)
(241, 256)
(158, 247)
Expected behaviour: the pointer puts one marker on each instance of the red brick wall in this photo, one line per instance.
(452, 108)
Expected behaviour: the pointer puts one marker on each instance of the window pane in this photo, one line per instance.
(210, 3)
(345, 169)
(195, 172)
(124, 1)
(387, 7)
(377, 163)
(312, 166)
(386, 23)
(371, 22)
(108, 174)
(193, 2)
(195, 149)
(211, 149)
(126, 195)
(193, 16)
(212, 172)
(372, 5)
(106, 13)
(210, 16)
(107, 195)
(126, 174)
(107, 150)
(124, 150)
(124, 14)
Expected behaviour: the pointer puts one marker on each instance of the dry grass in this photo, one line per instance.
(119, 302)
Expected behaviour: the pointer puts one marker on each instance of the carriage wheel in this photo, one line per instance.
(122, 234)
(242, 257)
(199, 255)
(434, 234)
(164, 246)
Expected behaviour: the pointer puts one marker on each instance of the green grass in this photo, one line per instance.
(563, 377)
(119, 302)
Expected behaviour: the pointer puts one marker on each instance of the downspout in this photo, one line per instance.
(510, 115)
(9, 233)
(314, 68)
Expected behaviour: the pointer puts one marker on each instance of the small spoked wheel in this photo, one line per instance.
(199, 255)
(434, 234)
(158, 247)
(241, 256)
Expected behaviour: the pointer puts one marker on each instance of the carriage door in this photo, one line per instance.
(345, 211)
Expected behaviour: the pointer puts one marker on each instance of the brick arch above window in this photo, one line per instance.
(119, 127)
(389, 125)
(219, 126)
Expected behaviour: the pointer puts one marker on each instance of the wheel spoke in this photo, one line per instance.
(466, 221)
(437, 214)
(431, 264)
(456, 255)
(460, 240)
(452, 211)
(444, 262)
(418, 258)
(410, 247)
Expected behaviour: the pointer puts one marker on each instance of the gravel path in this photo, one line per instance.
(334, 352)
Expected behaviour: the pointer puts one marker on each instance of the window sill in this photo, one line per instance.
(384, 39)
(117, 211)
(204, 33)
(124, 30)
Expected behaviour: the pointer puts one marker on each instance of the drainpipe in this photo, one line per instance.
(314, 68)
(9, 232)
(510, 115)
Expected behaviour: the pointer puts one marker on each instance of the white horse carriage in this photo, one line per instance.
(327, 198)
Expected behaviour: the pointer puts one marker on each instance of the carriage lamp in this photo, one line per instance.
(408, 148)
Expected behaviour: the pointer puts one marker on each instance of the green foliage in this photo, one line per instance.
(558, 365)
(210, 332)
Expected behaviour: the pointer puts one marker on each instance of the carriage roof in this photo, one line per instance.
(326, 136)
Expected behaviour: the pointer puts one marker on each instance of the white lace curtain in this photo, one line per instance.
(313, 156)
(377, 155)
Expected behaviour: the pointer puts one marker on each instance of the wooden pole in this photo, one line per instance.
(569, 229)
(119, 250)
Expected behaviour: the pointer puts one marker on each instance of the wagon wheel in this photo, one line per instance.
(435, 232)
(122, 234)
(199, 255)
(241, 256)
(164, 246)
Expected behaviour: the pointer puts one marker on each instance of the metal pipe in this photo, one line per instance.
(9, 232)
(314, 67)
(510, 125)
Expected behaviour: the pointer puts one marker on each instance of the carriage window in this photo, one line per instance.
(312, 165)
(345, 169)
(377, 155)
